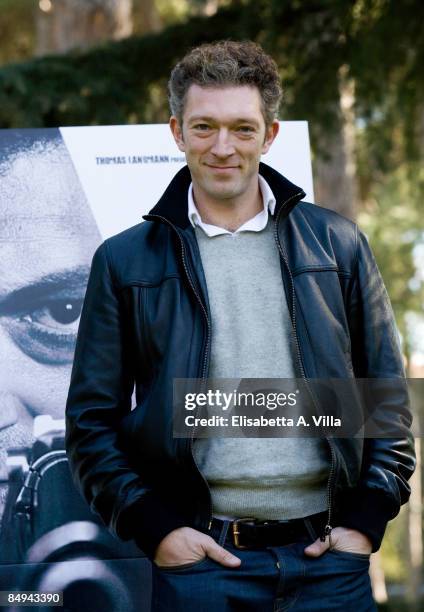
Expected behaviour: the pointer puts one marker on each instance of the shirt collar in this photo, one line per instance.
(255, 224)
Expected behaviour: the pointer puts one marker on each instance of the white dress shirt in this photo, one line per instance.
(255, 224)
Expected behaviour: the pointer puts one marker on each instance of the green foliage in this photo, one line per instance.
(392, 192)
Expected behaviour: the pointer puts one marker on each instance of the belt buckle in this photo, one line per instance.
(236, 532)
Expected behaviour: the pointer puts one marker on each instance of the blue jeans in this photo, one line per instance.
(272, 579)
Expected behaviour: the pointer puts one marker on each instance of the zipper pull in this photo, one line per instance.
(210, 525)
(327, 532)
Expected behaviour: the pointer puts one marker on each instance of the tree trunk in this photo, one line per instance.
(211, 6)
(149, 18)
(335, 170)
(62, 25)
(415, 512)
(378, 580)
(415, 506)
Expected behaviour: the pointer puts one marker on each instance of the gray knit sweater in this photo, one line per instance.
(270, 478)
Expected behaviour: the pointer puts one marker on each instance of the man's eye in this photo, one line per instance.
(245, 129)
(56, 314)
(202, 127)
(47, 330)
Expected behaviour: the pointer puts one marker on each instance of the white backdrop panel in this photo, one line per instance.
(124, 169)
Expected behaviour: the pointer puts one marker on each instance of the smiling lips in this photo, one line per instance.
(214, 167)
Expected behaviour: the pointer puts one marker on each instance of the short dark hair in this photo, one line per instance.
(222, 63)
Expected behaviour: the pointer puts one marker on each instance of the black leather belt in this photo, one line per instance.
(251, 533)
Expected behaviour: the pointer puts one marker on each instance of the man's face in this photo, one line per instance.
(223, 136)
(48, 236)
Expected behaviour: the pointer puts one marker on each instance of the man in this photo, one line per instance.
(48, 235)
(232, 276)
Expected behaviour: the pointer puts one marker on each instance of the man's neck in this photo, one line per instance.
(229, 214)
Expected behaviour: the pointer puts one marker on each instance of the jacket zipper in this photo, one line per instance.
(206, 351)
(328, 527)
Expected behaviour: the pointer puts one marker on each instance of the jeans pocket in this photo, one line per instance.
(349, 555)
(180, 568)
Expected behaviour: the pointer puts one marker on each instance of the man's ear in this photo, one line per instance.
(177, 132)
(270, 135)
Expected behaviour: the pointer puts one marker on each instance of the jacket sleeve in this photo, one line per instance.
(388, 462)
(99, 397)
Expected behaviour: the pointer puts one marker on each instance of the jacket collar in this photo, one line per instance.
(173, 202)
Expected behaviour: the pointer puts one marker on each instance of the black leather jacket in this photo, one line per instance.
(146, 321)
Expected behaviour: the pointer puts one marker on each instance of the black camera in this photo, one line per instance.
(51, 542)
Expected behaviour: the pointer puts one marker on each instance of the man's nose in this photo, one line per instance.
(223, 145)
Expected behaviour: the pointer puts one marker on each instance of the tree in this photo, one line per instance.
(16, 30)
(62, 25)
(148, 17)
(335, 165)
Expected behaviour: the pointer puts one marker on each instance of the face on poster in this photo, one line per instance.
(62, 191)
(48, 235)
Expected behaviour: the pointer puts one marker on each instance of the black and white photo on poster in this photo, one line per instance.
(48, 540)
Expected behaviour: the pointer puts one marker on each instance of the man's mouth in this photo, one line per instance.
(221, 168)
